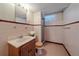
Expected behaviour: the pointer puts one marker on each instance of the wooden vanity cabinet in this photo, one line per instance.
(27, 49)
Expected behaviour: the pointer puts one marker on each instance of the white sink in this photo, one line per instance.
(20, 41)
(24, 38)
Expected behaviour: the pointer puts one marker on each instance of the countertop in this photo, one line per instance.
(20, 41)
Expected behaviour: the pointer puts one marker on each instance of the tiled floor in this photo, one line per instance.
(52, 49)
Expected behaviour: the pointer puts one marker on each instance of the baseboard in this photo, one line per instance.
(54, 42)
(66, 50)
(60, 44)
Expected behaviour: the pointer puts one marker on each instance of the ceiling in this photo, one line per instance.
(47, 8)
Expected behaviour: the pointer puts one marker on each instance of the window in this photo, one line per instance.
(49, 19)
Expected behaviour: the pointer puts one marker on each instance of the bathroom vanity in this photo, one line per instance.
(22, 47)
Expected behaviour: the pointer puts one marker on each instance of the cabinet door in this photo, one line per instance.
(28, 49)
(32, 52)
(24, 51)
(31, 46)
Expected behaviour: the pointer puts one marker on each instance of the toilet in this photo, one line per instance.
(39, 48)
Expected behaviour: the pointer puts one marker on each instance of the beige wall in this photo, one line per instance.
(10, 30)
(71, 40)
(37, 30)
(37, 20)
(55, 33)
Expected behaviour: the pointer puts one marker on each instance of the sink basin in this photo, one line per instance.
(24, 38)
(20, 41)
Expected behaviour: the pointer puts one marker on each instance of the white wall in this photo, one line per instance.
(7, 11)
(20, 14)
(71, 40)
(29, 15)
(37, 20)
(18, 19)
(37, 17)
(71, 14)
(55, 33)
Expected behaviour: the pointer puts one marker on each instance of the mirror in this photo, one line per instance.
(20, 14)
